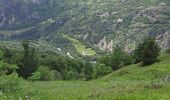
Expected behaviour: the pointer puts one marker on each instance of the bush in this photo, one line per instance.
(72, 75)
(54, 75)
(44, 73)
(7, 69)
(10, 83)
(35, 76)
(105, 60)
(101, 70)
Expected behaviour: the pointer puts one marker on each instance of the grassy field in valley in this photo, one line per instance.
(129, 83)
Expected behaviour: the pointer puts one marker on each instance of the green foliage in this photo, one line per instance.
(66, 68)
(88, 70)
(54, 75)
(101, 70)
(138, 53)
(7, 69)
(35, 76)
(147, 52)
(29, 61)
(71, 75)
(105, 60)
(1, 55)
(44, 72)
(58, 63)
(87, 21)
(75, 65)
(7, 55)
(119, 59)
(48, 75)
(150, 52)
(132, 81)
(10, 83)
(168, 51)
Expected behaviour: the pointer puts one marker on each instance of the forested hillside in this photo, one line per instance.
(95, 24)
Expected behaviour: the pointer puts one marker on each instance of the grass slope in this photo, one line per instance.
(129, 83)
(82, 49)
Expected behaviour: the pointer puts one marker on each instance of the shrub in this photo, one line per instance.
(72, 75)
(44, 73)
(101, 70)
(10, 83)
(7, 69)
(105, 60)
(54, 75)
(35, 76)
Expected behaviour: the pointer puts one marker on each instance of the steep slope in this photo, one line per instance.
(159, 70)
(98, 24)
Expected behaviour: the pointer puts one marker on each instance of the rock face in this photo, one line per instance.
(105, 46)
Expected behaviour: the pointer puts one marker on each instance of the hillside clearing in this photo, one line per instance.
(82, 49)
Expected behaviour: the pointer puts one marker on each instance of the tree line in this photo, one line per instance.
(34, 65)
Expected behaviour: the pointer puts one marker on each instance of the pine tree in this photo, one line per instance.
(147, 52)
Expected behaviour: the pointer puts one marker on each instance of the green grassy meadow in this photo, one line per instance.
(128, 83)
(82, 49)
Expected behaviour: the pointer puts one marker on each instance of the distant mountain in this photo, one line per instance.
(93, 24)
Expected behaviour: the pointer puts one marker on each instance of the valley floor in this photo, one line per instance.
(129, 83)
